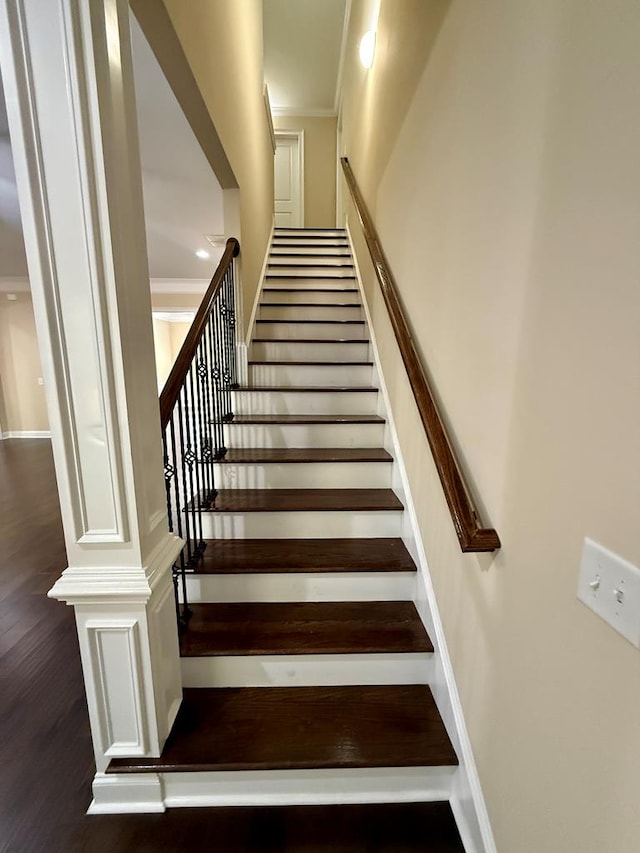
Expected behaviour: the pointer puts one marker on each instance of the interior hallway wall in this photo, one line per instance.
(223, 44)
(22, 399)
(507, 199)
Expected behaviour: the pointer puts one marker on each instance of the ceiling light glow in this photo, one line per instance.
(203, 254)
(367, 48)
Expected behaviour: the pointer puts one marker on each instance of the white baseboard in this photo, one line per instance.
(151, 792)
(27, 433)
(256, 301)
(467, 800)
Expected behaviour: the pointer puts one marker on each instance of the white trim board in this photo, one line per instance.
(304, 112)
(27, 433)
(179, 285)
(467, 800)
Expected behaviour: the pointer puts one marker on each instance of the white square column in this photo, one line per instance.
(67, 71)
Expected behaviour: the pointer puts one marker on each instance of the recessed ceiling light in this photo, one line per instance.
(367, 48)
(202, 253)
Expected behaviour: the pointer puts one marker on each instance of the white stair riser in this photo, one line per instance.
(303, 234)
(306, 670)
(323, 296)
(305, 435)
(310, 279)
(321, 331)
(330, 265)
(321, 351)
(304, 475)
(289, 251)
(325, 375)
(302, 586)
(291, 313)
(306, 403)
(301, 525)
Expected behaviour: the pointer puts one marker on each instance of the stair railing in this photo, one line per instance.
(472, 535)
(195, 403)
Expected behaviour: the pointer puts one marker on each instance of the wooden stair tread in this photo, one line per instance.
(308, 290)
(311, 389)
(290, 728)
(250, 455)
(310, 276)
(305, 304)
(310, 341)
(307, 321)
(335, 627)
(305, 500)
(306, 419)
(309, 363)
(265, 556)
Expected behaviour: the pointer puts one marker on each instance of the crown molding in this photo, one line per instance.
(179, 285)
(14, 284)
(303, 112)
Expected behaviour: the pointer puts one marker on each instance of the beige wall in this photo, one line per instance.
(509, 208)
(168, 336)
(223, 44)
(319, 166)
(22, 399)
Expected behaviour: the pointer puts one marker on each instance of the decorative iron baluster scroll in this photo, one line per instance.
(195, 403)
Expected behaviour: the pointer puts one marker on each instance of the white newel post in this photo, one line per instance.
(67, 72)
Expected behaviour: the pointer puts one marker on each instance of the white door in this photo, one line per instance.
(288, 180)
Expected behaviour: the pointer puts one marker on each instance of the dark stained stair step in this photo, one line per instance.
(323, 322)
(255, 556)
(308, 363)
(305, 500)
(310, 341)
(288, 728)
(311, 389)
(259, 455)
(239, 420)
(336, 627)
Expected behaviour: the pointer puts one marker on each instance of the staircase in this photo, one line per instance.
(305, 664)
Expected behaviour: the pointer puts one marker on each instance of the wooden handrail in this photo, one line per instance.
(466, 520)
(172, 386)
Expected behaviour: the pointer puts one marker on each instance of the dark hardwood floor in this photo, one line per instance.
(46, 761)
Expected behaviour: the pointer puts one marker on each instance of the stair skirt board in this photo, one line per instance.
(302, 586)
(155, 792)
(305, 435)
(326, 375)
(307, 670)
(301, 524)
(294, 402)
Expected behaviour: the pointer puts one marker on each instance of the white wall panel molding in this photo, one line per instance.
(67, 74)
(118, 584)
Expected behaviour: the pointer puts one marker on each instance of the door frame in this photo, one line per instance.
(299, 136)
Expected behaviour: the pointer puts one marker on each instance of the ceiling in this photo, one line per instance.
(302, 51)
(182, 197)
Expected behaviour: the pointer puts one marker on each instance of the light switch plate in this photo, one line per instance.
(610, 586)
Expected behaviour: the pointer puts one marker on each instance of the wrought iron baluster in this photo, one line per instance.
(196, 498)
(207, 451)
